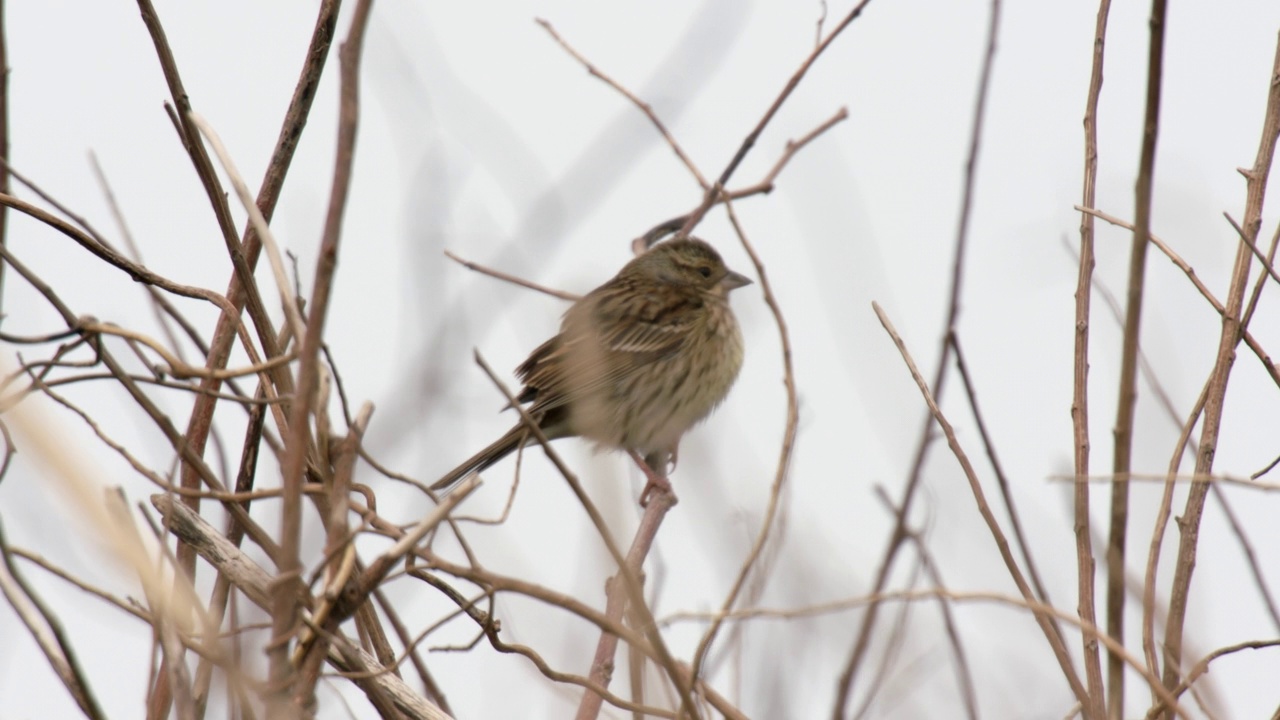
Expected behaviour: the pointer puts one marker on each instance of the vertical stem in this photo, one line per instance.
(1232, 332)
(1085, 607)
(4, 140)
(1123, 457)
(285, 596)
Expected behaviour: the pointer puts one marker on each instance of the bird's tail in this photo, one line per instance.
(514, 438)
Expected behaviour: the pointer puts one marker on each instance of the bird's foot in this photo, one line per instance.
(655, 482)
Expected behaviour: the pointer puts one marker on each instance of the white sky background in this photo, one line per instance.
(480, 135)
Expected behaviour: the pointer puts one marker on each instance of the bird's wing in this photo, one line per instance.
(608, 336)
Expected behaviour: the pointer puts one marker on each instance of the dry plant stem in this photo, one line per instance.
(1253, 248)
(954, 596)
(1145, 367)
(160, 419)
(964, 678)
(616, 601)
(1122, 455)
(493, 584)
(1237, 529)
(1085, 571)
(1002, 481)
(119, 603)
(1202, 667)
(4, 139)
(1189, 524)
(221, 594)
(46, 630)
(713, 192)
(511, 278)
(285, 600)
(644, 106)
(1043, 618)
(208, 176)
(405, 544)
(254, 582)
(844, 686)
(238, 292)
(158, 306)
(257, 221)
(1256, 295)
(763, 187)
(175, 366)
(349, 658)
(248, 295)
(1190, 272)
(165, 606)
(784, 454)
(434, 692)
(137, 272)
(634, 588)
(338, 548)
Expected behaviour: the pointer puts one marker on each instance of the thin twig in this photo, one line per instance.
(931, 594)
(4, 138)
(1043, 619)
(1085, 571)
(644, 106)
(1216, 386)
(1190, 272)
(784, 455)
(709, 197)
(964, 677)
(283, 702)
(47, 631)
(654, 513)
(511, 278)
(844, 684)
(1002, 481)
(1126, 404)
(763, 187)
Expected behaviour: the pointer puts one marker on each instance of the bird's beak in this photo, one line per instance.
(734, 280)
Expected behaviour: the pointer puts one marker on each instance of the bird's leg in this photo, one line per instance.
(655, 480)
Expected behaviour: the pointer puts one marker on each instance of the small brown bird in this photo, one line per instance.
(637, 362)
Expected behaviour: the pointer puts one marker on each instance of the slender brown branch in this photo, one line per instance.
(4, 139)
(1002, 481)
(1237, 528)
(298, 446)
(1122, 456)
(241, 289)
(784, 455)
(631, 580)
(964, 677)
(616, 602)
(844, 684)
(511, 278)
(644, 106)
(1216, 386)
(1190, 272)
(709, 197)
(1085, 595)
(1202, 667)
(1002, 544)
(1253, 248)
(47, 631)
(1034, 606)
(762, 187)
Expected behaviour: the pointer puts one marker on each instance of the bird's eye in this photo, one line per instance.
(704, 271)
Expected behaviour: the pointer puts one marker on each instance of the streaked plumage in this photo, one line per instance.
(637, 362)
